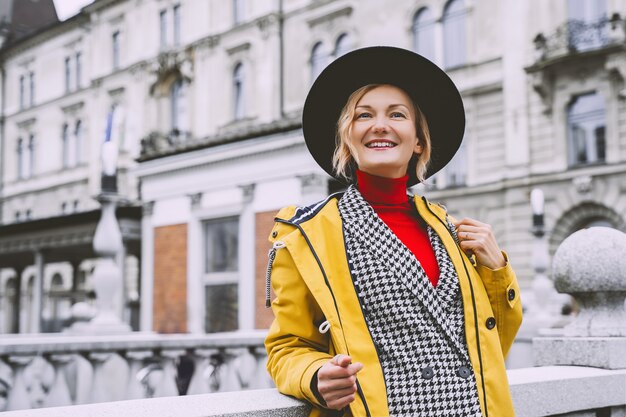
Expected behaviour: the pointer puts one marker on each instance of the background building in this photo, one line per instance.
(204, 99)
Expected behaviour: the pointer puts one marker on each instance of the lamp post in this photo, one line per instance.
(107, 244)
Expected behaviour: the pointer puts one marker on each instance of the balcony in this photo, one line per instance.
(579, 37)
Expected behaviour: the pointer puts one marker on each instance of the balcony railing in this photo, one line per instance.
(579, 36)
(44, 371)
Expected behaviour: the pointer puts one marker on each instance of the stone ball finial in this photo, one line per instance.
(591, 266)
(591, 260)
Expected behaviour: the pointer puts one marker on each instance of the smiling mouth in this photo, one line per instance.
(380, 144)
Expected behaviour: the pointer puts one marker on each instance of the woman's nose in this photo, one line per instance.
(380, 126)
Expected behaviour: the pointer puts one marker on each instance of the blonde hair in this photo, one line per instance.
(344, 162)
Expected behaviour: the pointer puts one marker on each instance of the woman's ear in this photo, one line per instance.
(418, 148)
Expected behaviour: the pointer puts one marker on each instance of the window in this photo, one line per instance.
(22, 92)
(31, 156)
(78, 141)
(177, 25)
(586, 130)
(79, 70)
(115, 38)
(29, 214)
(31, 79)
(318, 60)
(65, 137)
(68, 74)
(424, 33)
(10, 302)
(64, 208)
(163, 26)
(20, 158)
(454, 37)
(179, 108)
(238, 92)
(456, 170)
(587, 26)
(238, 11)
(221, 266)
(343, 45)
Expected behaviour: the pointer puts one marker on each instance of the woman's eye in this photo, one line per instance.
(397, 114)
(363, 116)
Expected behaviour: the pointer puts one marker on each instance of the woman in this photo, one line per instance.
(384, 304)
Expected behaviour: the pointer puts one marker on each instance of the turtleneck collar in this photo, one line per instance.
(380, 190)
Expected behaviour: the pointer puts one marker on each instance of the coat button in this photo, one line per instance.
(428, 373)
(464, 372)
(490, 323)
(511, 294)
(274, 233)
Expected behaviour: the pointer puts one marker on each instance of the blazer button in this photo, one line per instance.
(490, 323)
(511, 294)
(428, 373)
(464, 372)
(274, 233)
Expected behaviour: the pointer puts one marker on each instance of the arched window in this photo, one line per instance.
(31, 156)
(239, 92)
(178, 106)
(58, 308)
(343, 45)
(65, 137)
(10, 307)
(586, 130)
(424, 33)
(20, 158)
(78, 138)
(454, 34)
(318, 60)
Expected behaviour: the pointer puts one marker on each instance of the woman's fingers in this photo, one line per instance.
(476, 238)
(336, 381)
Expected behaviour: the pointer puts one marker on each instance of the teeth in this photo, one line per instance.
(380, 145)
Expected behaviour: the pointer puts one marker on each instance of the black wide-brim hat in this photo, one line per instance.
(427, 85)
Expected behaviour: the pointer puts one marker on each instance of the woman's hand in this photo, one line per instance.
(477, 238)
(336, 381)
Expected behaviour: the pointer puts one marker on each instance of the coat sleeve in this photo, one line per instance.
(295, 347)
(504, 297)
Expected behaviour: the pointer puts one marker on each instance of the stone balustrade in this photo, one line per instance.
(571, 391)
(60, 370)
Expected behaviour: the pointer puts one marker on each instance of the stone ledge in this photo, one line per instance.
(600, 352)
(253, 403)
(556, 390)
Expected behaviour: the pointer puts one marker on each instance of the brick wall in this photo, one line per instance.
(170, 279)
(263, 226)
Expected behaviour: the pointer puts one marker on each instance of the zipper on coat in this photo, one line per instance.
(319, 263)
(480, 357)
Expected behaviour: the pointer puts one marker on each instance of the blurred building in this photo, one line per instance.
(204, 100)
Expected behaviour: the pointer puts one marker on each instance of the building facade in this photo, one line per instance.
(204, 99)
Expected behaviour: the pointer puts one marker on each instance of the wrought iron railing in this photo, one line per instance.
(580, 36)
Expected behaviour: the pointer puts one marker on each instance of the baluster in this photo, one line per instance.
(18, 396)
(5, 384)
(229, 380)
(261, 379)
(99, 391)
(135, 360)
(167, 387)
(245, 367)
(59, 393)
(199, 383)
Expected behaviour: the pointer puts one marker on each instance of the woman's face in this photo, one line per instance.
(383, 136)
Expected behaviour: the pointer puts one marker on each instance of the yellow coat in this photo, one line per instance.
(312, 283)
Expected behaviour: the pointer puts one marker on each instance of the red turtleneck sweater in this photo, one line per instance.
(389, 199)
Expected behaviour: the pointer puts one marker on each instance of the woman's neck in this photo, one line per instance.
(380, 190)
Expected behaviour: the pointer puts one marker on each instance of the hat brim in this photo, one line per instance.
(427, 85)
